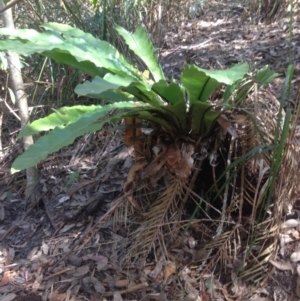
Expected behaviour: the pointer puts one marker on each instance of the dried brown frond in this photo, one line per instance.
(246, 236)
(159, 222)
(260, 251)
(243, 226)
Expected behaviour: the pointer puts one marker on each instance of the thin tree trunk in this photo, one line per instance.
(16, 79)
(1, 122)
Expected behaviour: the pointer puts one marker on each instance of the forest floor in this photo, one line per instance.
(62, 248)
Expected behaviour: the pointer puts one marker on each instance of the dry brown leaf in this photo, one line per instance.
(298, 270)
(74, 260)
(11, 254)
(295, 234)
(79, 272)
(290, 223)
(8, 297)
(128, 162)
(38, 275)
(258, 298)
(20, 246)
(133, 175)
(204, 296)
(193, 296)
(37, 256)
(184, 274)
(67, 228)
(7, 278)
(284, 239)
(241, 119)
(169, 269)
(155, 167)
(117, 296)
(99, 259)
(99, 287)
(45, 248)
(179, 159)
(248, 36)
(101, 265)
(6, 288)
(295, 256)
(36, 284)
(227, 125)
(2, 212)
(157, 270)
(192, 242)
(96, 297)
(298, 286)
(63, 199)
(58, 297)
(121, 283)
(193, 293)
(283, 266)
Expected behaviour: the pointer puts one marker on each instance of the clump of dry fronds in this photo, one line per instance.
(244, 227)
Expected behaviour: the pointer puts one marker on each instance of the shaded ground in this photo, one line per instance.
(63, 249)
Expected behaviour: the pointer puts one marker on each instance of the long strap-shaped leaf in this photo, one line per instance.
(68, 123)
(200, 83)
(66, 130)
(60, 117)
(142, 92)
(70, 46)
(141, 45)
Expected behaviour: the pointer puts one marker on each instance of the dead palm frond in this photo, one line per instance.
(264, 185)
(160, 220)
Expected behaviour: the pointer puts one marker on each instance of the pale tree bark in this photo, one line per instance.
(9, 5)
(17, 86)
